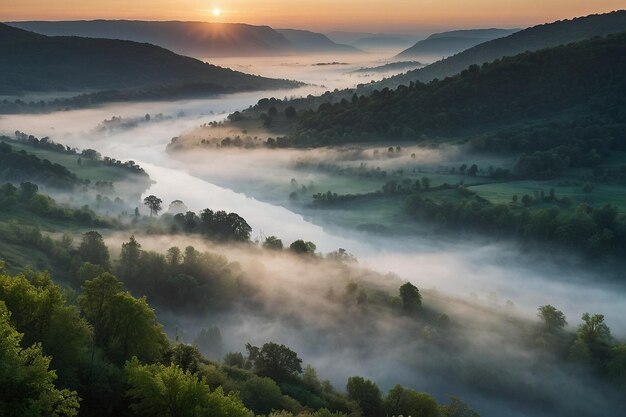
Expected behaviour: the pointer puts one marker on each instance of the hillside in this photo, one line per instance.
(531, 39)
(197, 39)
(587, 78)
(37, 63)
(448, 43)
(304, 40)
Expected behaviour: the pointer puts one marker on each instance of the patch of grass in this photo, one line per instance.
(602, 194)
(89, 170)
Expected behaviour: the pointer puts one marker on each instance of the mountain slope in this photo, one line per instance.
(584, 79)
(37, 63)
(304, 40)
(531, 39)
(448, 43)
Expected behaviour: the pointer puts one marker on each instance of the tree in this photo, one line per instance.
(89, 271)
(91, 154)
(594, 329)
(367, 395)
(153, 203)
(473, 170)
(342, 256)
(129, 259)
(188, 357)
(261, 395)
(174, 256)
(41, 314)
(273, 243)
(176, 207)
(410, 296)
(290, 112)
(616, 368)
(26, 384)
(188, 221)
(593, 339)
(26, 191)
(92, 249)
(426, 183)
(235, 359)
(275, 361)
(552, 318)
(457, 408)
(224, 226)
(209, 340)
(302, 247)
(238, 229)
(168, 391)
(407, 402)
(123, 326)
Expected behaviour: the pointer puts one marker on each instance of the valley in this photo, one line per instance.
(312, 223)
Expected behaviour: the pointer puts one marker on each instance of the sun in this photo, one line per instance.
(217, 12)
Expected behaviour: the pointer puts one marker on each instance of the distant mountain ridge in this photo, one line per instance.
(448, 43)
(370, 41)
(37, 63)
(198, 39)
(532, 39)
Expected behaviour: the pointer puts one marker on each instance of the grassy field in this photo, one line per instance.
(126, 185)
(18, 255)
(501, 193)
(89, 170)
(387, 210)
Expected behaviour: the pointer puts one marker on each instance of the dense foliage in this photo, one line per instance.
(596, 230)
(215, 225)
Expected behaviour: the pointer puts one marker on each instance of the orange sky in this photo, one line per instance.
(322, 15)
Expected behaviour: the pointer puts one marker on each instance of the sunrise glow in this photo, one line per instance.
(320, 15)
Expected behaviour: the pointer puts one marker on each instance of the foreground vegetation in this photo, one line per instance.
(96, 349)
(102, 352)
(106, 347)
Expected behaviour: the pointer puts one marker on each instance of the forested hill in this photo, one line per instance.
(37, 63)
(531, 39)
(561, 83)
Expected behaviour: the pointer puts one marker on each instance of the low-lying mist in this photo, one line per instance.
(459, 266)
(328, 70)
(306, 304)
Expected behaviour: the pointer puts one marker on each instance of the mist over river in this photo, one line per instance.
(461, 267)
